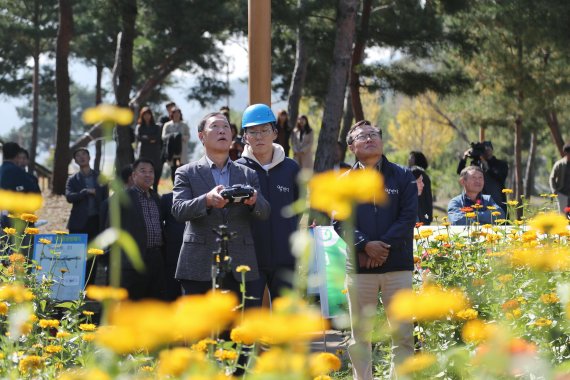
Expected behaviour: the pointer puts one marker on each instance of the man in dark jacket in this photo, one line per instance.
(12, 176)
(141, 218)
(278, 181)
(383, 259)
(87, 195)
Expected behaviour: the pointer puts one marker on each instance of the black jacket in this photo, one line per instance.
(392, 222)
(271, 237)
(75, 193)
(14, 178)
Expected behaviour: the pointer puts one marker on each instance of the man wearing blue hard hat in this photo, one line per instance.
(278, 183)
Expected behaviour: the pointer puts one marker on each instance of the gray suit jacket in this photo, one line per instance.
(191, 183)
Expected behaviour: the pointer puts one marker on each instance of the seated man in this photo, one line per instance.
(472, 206)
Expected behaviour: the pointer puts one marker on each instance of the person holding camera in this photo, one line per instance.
(278, 179)
(198, 200)
(495, 171)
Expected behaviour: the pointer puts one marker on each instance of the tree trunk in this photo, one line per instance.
(347, 118)
(345, 31)
(552, 121)
(518, 160)
(299, 71)
(357, 56)
(529, 173)
(124, 74)
(35, 107)
(98, 100)
(61, 156)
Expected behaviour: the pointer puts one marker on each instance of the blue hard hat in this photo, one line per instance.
(257, 114)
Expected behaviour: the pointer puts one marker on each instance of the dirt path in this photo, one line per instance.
(55, 211)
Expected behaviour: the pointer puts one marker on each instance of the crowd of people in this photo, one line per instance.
(174, 232)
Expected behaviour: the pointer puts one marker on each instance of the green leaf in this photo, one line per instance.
(65, 305)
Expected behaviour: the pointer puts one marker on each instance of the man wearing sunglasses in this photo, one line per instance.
(383, 260)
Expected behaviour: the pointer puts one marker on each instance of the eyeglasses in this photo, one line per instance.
(262, 133)
(366, 136)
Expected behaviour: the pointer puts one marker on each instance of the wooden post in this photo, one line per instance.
(481, 134)
(259, 38)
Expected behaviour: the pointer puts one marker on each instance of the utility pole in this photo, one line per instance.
(259, 41)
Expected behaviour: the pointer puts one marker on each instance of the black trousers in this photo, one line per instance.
(150, 282)
(190, 287)
(276, 281)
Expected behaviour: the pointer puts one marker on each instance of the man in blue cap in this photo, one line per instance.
(278, 182)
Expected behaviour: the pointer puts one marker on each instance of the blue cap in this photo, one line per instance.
(257, 114)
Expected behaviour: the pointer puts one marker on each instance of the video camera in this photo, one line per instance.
(237, 193)
(475, 152)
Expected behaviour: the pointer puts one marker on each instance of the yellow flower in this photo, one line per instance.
(48, 323)
(549, 223)
(108, 113)
(174, 362)
(51, 349)
(512, 203)
(430, 303)
(491, 208)
(243, 269)
(62, 334)
(95, 251)
(278, 362)
(16, 293)
(323, 363)
(505, 278)
(20, 202)
(102, 293)
(549, 298)
(477, 331)
(290, 321)
(467, 314)
(322, 377)
(30, 363)
(497, 213)
(9, 231)
(426, 233)
(202, 346)
(507, 191)
(87, 313)
(333, 193)
(470, 215)
(515, 314)
(45, 241)
(545, 259)
(63, 270)
(147, 368)
(446, 224)
(3, 308)
(17, 258)
(242, 335)
(542, 322)
(30, 218)
(416, 363)
(60, 232)
(133, 325)
(88, 337)
(31, 231)
(87, 327)
(225, 354)
(553, 195)
(84, 374)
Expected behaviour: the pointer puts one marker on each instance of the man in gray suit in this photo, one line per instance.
(197, 201)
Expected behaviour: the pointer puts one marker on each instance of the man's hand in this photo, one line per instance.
(91, 191)
(364, 261)
(214, 199)
(377, 250)
(251, 201)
